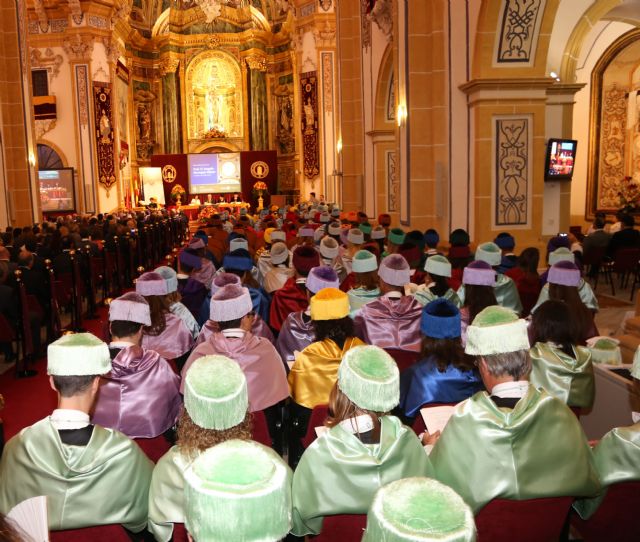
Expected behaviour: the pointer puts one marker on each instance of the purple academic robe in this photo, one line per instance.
(296, 334)
(205, 274)
(391, 323)
(259, 329)
(175, 341)
(140, 397)
(258, 358)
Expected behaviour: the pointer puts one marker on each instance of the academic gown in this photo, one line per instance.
(584, 290)
(506, 293)
(391, 323)
(259, 328)
(617, 458)
(105, 482)
(338, 474)
(359, 297)
(424, 383)
(187, 318)
(205, 274)
(258, 359)
(424, 296)
(277, 278)
(193, 293)
(290, 298)
(140, 396)
(173, 342)
(261, 302)
(315, 371)
(296, 334)
(568, 378)
(535, 450)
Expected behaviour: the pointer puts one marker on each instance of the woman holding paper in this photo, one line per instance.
(363, 449)
(444, 374)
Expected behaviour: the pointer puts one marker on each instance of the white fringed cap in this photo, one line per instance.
(170, 277)
(394, 270)
(438, 265)
(355, 236)
(334, 228)
(364, 261)
(496, 330)
(130, 307)
(329, 248)
(78, 354)
(230, 302)
(378, 233)
(237, 243)
(278, 235)
(279, 253)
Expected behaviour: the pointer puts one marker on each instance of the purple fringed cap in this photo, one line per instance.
(196, 243)
(394, 270)
(479, 273)
(321, 277)
(191, 260)
(306, 231)
(151, 283)
(564, 273)
(230, 302)
(224, 279)
(130, 307)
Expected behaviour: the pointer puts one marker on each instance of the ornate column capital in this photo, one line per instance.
(257, 62)
(78, 47)
(168, 64)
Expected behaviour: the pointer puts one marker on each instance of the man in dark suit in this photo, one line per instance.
(627, 237)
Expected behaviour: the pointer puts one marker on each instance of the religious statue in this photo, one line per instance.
(144, 122)
(105, 127)
(309, 117)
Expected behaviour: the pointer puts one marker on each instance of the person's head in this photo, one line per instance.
(489, 253)
(500, 343)
(438, 270)
(239, 262)
(305, 258)
(321, 277)
(440, 326)
(216, 405)
(393, 274)
(599, 223)
(529, 260)
(627, 221)
(505, 241)
(330, 314)
(171, 278)
(224, 279)
(395, 238)
(355, 238)
(231, 307)
(384, 220)
(459, 238)
(153, 287)
(312, 194)
(128, 315)
(431, 238)
(479, 280)
(552, 322)
(279, 254)
(365, 270)
(329, 248)
(25, 259)
(412, 253)
(75, 363)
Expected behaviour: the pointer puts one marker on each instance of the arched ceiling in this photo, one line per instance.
(626, 12)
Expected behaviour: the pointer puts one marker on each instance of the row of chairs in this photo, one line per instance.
(625, 264)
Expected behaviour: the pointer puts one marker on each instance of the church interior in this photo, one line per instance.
(196, 135)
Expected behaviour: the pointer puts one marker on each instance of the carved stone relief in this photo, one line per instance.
(257, 62)
(144, 103)
(76, 11)
(327, 81)
(365, 21)
(612, 146)
(382, 15)
(83, 99)
(518, 30)
(44, 126)
(43, 19)
(393, 183)
(78, 47)
(47, 59)
(325, 5)
(284, 106)
(210, 8)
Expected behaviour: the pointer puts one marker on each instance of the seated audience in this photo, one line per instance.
(558, 364)
(478, 280)
(363, 449)
(596, 242)
(141, 395)
(436, 285)
(216, 410)
(365, 281)
(239, 262)
(507, 244)
(207, 270)
(513, 442)
(395, 239)
(173, 299)
(353, 243)
(525, 275)
(627, 237)
(330, 255)
(90, 475)
(280, 271)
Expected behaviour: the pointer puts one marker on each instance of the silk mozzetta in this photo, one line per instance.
(391, 323)
(105, 482)
(617, 458)
(584, 289)
(290, 298)
(423, 383)
(140, 396)
(359, 297)
(259, 360)
(296, 334)
(506, 293)
(187, 318)
(173, 342)
(258, 328)
(205, 274)
(276, 278)
(260, 301)
(338, 474)
(570, 379)
(315, 371)
(424, 296)
(536, 450)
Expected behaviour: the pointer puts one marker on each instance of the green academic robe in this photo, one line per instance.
(425, 296)
(617, 458)
(570, 379)
(104, 482)
(536, 450)
(338, 474)
(506, 293)
(166, 504)
(584, 290)
(359, 297)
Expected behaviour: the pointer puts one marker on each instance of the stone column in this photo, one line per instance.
(258, 107)
(171, 106)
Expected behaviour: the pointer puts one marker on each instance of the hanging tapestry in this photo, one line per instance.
(104, 134)
(311, 151)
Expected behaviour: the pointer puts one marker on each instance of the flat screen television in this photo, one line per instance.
(561, 157)
(57, 190)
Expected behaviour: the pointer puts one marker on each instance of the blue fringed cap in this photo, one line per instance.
(238, 490)
(370, 378)
(419, 510)
(238, 260)
(440, 320)
(505, 241)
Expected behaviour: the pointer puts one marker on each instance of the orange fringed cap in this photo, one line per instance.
(329, 304)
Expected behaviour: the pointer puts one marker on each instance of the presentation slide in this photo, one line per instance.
(214, 173)
(56, 189)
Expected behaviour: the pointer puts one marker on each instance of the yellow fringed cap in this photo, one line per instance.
(329, 304)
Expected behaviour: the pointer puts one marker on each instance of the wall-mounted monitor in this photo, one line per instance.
(214, 173)
(57, 192)
(560, 159)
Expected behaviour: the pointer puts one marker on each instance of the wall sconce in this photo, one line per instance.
(32, 159)
(401, 115)
(339, 146)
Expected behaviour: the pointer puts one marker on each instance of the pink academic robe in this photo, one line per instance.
(391, 323)
(266, 376)
(175, 341)
(259, 329)
(140, 397)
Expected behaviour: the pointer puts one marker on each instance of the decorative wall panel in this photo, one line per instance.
(518, 31)
(612, 146)
(309, 116)
(393, 183)
(512, 174)
(104, 134)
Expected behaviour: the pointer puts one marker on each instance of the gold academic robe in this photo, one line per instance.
(570, 379)
(105, 482)
(315, 371)
(338, 474)
(537, 449)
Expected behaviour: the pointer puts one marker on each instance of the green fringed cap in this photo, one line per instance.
(635, 368)
(438, 265)
(215, 393)
(496, 330)
(78, 354)
(606, 350)
(489, 253)
(238, 490)
(370, 378)
(416, 510)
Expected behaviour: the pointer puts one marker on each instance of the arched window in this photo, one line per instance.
(48, 158)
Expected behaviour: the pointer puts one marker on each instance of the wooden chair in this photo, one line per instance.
(615, 519)
(342, 528)
(318, 416)
(260, 431)
(100, 533)
(532, 520)
(625, 264)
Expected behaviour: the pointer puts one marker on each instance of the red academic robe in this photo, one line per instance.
(290, 298)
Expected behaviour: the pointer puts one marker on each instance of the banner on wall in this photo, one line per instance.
(104, 135)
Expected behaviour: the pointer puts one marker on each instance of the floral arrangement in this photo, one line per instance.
(176, 191)
(260, 189)
(206, 213)
(629, 194)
